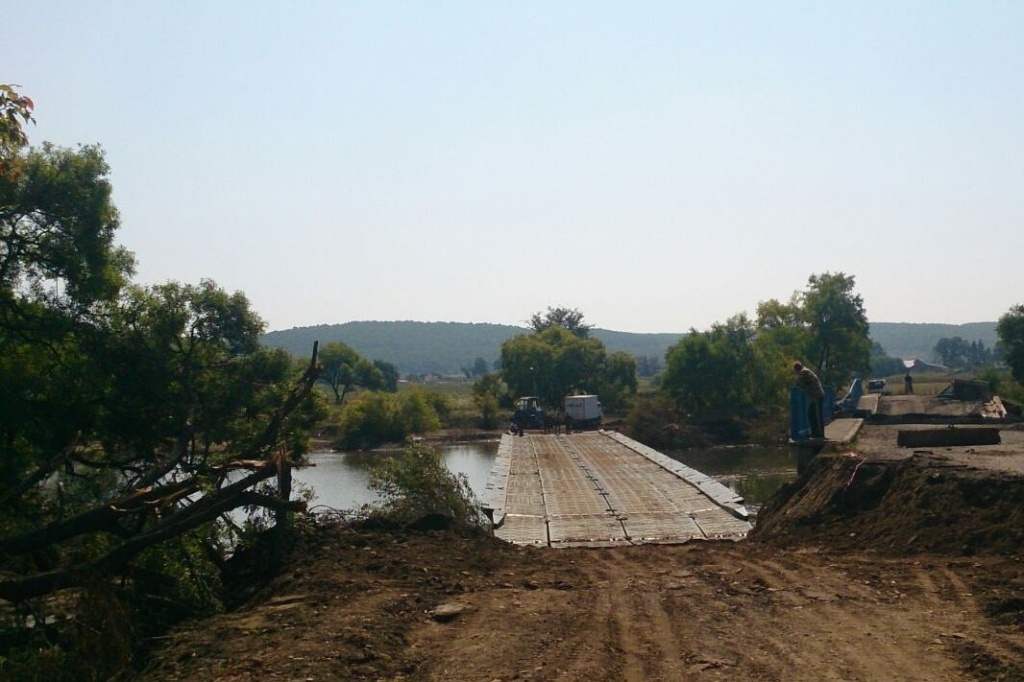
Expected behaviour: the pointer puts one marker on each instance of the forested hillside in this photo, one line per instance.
(917, 341)
(447, 347)
(442, 347)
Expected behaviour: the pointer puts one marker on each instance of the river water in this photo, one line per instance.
(340, 480)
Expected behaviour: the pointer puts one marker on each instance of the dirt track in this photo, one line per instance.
(743, 611)
(866, 569)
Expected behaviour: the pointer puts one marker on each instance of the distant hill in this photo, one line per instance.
(442, 347)
(447, 347)
(917, 341)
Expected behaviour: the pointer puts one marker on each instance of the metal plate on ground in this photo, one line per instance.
(585, 529)
(523, 530)
(717, 525)
(661, 528)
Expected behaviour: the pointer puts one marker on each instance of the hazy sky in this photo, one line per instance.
(658, 165)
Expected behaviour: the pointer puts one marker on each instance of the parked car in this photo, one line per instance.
(877, 386)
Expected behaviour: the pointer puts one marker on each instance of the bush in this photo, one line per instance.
(377, 418)
(416, 484)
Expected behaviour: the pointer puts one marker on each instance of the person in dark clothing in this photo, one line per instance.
(809, 382)
(908, 384)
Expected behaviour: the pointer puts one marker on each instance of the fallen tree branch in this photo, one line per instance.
(18, 590)
(173, 524)
(13, 493)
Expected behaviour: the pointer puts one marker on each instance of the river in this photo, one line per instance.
(340, 480)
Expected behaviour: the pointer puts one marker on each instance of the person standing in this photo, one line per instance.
(908, 384)
(811, 385)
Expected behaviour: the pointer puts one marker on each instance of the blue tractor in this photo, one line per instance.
(528, 414)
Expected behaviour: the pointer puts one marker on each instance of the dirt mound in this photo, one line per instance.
(924, 503)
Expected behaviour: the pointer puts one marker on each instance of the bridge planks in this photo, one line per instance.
(603, 489)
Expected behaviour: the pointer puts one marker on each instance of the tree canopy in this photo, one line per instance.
(743, 367)
(727, 370)
(344, 369)
(957, 352)
(839, 346)
(824, 326)
(570, 319)
(1011, 337)
(132, 419)
(556, 362)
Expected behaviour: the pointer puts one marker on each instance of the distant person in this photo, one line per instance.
(811, 385)
(908, 384)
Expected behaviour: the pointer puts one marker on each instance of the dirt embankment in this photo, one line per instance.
(864, 569)
(924, 503)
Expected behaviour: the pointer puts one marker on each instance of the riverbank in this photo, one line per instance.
(869, 567)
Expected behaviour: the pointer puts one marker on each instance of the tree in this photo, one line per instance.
(1010, 329)
(417, 483)
(374, 418)
(724, 371)
(131, 418)
(616, 381)
(389, 374)
(566, 318)
(784, 326)
(957, 352)
(648, 365)
(61, 278)
(883, 365)
(824, 326)
(487, 391)
(951, 351)
(344, 369)
(58, 223)
(552, 364)
(157, 406)
(478, 369)
(840, 345)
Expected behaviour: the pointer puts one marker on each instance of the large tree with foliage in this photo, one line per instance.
(840, 346)
(743, 367)
(344, 369)
(1010, 329)
(555, 363)
(958, 352)
(131, 419)
(825, 327)
(727, 370)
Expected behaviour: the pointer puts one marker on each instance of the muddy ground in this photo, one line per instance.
(877, 564)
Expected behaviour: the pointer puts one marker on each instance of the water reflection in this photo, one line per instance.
(341, 479)
(755, 473)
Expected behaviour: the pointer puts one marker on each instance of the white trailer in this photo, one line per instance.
(584, 410)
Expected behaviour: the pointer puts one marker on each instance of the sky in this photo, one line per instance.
(659, 166)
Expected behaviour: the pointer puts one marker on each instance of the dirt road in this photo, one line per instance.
(361, 607)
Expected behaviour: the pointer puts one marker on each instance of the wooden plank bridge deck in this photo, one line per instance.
(600, 488)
